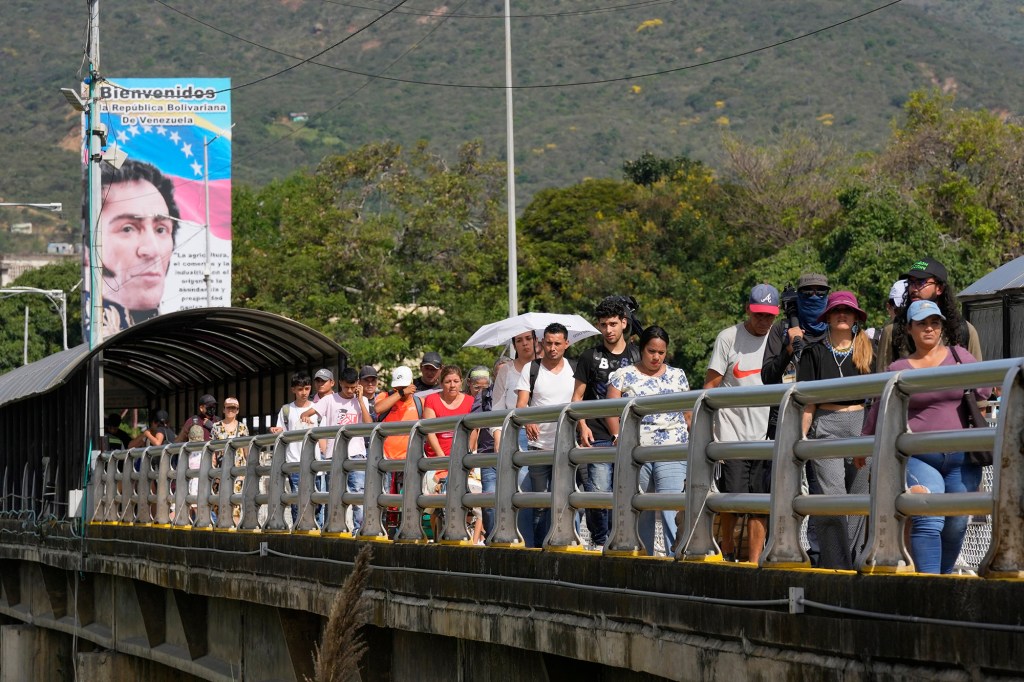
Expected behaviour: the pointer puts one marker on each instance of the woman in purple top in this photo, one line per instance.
(935, 541)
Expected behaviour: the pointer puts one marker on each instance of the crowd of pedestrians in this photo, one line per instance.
(807, 333)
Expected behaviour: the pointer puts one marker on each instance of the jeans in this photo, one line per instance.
(660, 477)
(488, 483)
(293, 481)
(935, 541)
(357, 484)
(540, 482)
(600, 477)
(321, 483)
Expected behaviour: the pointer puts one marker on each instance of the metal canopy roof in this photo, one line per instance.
(1005, 278)
(183, 349)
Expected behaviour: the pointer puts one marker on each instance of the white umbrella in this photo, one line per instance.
(499, 333)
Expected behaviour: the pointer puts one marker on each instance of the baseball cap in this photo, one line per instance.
(207, 399)
(922, 310)
(842, 298)
(764, 298)
(401, 377)
(433, 359)
(161, 416)
(898, 291)
(368, 372)
(231, 402)
(927, 267)
(812, 280)
(325, 374)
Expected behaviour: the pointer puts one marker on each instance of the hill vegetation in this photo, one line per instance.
(847, 82)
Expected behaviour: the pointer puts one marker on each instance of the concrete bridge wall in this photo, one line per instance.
(224, 606)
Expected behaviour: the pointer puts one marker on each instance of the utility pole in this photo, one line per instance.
(95, 134)
(510, 152)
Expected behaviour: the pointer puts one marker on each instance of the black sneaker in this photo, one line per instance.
(729, 556)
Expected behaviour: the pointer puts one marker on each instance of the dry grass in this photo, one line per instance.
(342, 646)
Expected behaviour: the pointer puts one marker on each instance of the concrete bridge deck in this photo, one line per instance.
(228, 606)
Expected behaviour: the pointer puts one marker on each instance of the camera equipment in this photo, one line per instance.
(789, 305)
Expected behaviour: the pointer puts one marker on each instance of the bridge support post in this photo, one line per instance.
(697, 537)
(31, 653)
(1005, 556)
(885, 551)
(562, 536)
(624, 539)
(784, 549)
(506, 532)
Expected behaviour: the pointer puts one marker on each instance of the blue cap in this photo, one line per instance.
(922, 310)
(764, 298)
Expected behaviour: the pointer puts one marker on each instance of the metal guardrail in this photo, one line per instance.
(150, 485)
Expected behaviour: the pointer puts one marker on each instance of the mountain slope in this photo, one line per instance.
(847, 82)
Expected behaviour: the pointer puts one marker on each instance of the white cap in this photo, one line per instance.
(401, 377)
(898, 291)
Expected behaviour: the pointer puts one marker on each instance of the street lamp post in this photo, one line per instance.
(56, 207)
(57, 298)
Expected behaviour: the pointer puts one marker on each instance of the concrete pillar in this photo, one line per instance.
(37, 654)
(111, 666)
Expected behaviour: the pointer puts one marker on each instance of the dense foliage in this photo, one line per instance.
(393, 252)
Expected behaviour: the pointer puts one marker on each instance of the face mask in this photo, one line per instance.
(809, 308)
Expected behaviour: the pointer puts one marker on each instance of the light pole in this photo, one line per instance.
(513, 271)
(59, 300)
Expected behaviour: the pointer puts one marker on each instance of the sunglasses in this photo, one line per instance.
(814, 291)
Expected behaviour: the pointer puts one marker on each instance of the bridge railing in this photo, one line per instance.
(151, 485)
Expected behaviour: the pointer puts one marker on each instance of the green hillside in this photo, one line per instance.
(847, 82)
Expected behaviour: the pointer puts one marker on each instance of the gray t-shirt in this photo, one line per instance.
(738, 356)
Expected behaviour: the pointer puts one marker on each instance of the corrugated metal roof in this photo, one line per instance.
(183, 349)
(1006, 277)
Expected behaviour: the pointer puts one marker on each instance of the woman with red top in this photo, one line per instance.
(449, 402)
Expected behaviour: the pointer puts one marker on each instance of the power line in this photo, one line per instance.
(479, 86)
(596, 10)
(300, 128)
(303, 60)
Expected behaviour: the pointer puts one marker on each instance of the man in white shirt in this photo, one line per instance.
(736, 361)
(292, 417)
(339, 409)
(547, 381)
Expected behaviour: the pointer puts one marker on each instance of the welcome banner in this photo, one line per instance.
(156, 243)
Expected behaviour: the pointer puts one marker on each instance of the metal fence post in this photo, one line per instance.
(143, 510)
(250, 488)
(225, 487)
(454, 531)
(696, 540)
(163, 503)
(275, 488)
(306, 522)
(1005, 556)
(94, 500)
(784, 549)
(204, 488)
(411, 528)
(373, 526)
(181, 509)
(885, 551)
(506, 532)
(624, 540)
(334, 518)
(562, 535)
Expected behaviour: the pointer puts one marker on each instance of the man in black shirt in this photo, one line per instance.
(592, 371)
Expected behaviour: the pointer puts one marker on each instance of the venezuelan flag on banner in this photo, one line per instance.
(165, 124)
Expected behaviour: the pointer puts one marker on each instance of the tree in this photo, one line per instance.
(389, 252)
